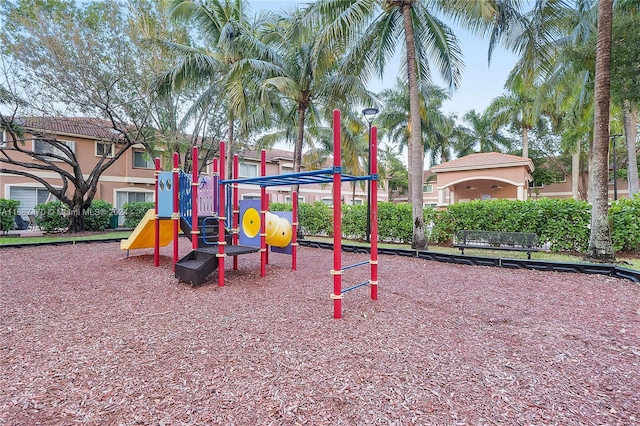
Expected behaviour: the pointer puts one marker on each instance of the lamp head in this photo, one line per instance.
(370, 114)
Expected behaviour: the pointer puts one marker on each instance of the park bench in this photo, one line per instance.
(497, 240)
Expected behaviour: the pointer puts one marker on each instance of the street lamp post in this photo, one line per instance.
(369, 115)
(615, 172)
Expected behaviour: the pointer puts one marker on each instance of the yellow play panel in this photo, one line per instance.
(144, 234)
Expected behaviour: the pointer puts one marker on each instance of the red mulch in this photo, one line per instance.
(89, 336)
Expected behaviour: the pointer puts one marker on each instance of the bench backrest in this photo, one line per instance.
(523, 239)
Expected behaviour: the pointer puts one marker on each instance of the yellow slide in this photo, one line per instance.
(143, 235)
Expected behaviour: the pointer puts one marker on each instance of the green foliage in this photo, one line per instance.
(563, 223)
(133, 212)
(52, 216)
(8, 211)
(280, 207)
(624, 216)
(354, 221)
(96, 218)
(315, 219)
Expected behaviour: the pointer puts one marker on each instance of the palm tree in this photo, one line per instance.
(482, 134)
(210, 66)
(435, 126)
(307, 83)
(518, 108)
(600, 245)
(374, 28)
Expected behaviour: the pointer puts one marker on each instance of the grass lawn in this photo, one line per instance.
(625, 261)
(84, 236)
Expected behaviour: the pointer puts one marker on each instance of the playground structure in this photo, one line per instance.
(198, 206)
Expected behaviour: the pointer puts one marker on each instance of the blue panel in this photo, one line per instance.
(165, 194)
(244, 238)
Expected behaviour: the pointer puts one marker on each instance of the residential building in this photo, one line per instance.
(131, 177)
(485, 176)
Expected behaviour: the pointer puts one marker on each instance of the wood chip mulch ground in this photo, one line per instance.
(89, 336)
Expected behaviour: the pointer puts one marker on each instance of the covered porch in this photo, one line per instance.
(483, 176)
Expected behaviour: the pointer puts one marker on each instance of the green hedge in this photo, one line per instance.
(98, 215)
(624, 216)
(8, 212)
(52, 216)
(562, 224)
(134, 212)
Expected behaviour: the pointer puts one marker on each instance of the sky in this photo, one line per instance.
(480, 84)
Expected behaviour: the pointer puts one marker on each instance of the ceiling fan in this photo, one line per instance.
(495, 186)
(469, 187)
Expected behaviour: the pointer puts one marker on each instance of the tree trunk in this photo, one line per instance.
(230, 150)
(77, 210)
(575, 171)
(525, 142)
(600, 246)
(297, 149)
(630, 115)
(416, 152)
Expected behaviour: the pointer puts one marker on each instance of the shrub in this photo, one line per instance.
(96, 218)
(8, 212)
(395, 222)
(563, 223)
(315, 219)
(624, 216)
(134, 212)
(280, 207)
(52, 216)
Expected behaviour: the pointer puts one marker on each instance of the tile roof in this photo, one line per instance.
(79, 126)
(483, 160)
(272, 154)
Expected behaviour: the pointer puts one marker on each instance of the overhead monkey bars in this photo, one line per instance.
(330, 175)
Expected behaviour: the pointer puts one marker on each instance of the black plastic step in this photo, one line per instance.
(196, 266)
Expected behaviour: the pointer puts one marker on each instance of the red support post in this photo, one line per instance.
(374, 215)
(236, 209)
(294, 229)
(195, 231)
(176, 208)
(337, 219)
(264, 206)
(221, 219)
(156, 244)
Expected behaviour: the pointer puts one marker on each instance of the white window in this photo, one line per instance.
(104, 148)
(4, 138)
(428, 188)
(357, 202)
(250, 196)
(327, 200)
(287, 170)
(536, 184)
(248, 170)
(41, 146)
(287, 199)
(143, 160)
(430, 205)
(123, 197)
(29, 198)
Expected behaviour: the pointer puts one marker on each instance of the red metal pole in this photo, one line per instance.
(236, 209)
(264, 206)
(216, 189)
(374, 215)
(156, 244)
(195, 231)
(294, 229)
(337, 219)
(221, 219)
(176, 210)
